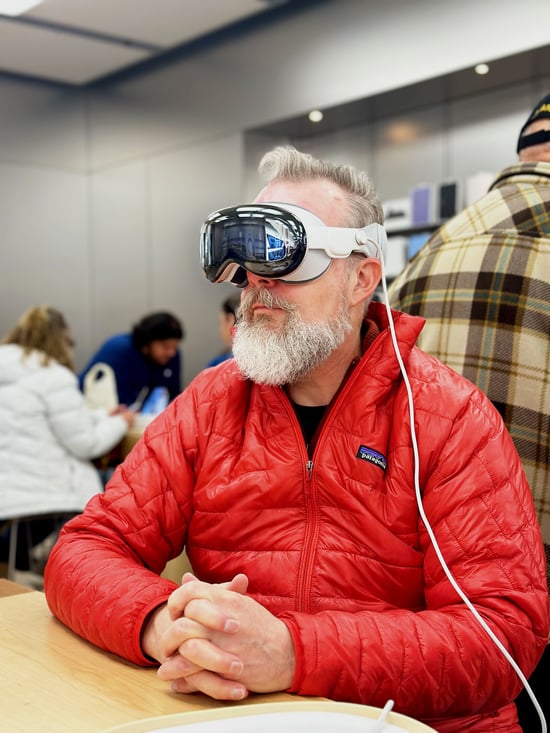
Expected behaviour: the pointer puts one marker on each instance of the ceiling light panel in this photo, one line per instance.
(62, 57)
(17, 7)
(163, 24)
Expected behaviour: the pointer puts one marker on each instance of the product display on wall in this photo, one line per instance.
(411, 220)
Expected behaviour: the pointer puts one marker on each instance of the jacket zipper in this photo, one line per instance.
(303, 591)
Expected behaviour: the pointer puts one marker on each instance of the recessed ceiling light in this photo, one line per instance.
(402, 132)
(315, 115)
(482, 69)
(16, 7)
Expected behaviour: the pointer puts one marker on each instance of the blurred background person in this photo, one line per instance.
(147, 357)
(483, 283)
(228, 318)
(47, 433)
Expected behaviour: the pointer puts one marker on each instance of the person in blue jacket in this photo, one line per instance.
(228, 318)
(147, 357)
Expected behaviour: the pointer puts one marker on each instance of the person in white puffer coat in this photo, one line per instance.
(48, 435)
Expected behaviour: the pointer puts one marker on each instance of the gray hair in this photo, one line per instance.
(287, 163)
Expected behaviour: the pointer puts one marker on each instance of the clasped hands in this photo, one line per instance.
(214, 639)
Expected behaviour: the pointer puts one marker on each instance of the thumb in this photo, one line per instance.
(188, 577)
(239, 584)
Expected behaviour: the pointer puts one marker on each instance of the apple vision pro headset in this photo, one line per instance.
(279, 241)
(289, 243)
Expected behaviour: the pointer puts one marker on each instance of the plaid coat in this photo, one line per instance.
(483, 283)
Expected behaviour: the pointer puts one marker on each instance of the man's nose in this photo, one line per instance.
(259, 281)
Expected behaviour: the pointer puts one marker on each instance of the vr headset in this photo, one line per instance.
(279, 241)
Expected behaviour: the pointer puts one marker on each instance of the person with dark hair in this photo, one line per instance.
(482, 282)
(146, 358)
(355, 514)
(48, 435)
(228, 318)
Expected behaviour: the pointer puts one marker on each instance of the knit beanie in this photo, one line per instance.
(541, 110)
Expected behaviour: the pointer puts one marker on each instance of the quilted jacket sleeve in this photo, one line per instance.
(102, 577)
(439, 661)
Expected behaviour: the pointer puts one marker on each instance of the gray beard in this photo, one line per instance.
(288, 354)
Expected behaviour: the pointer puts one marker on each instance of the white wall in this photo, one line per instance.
(444, 141)
(326, 54)
(145, 223)
(102, 191)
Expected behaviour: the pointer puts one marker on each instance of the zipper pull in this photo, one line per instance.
(309, 469)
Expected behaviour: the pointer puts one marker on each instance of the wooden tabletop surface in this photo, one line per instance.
(9, 588)
(53, 681)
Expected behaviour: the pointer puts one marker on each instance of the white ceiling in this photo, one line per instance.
(80, 41)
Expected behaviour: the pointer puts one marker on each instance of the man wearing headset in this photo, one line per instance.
(288, 474)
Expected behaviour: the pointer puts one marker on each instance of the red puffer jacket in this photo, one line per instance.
(334, 545)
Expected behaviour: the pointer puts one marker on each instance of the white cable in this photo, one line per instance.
(381, 719)
(427, 524)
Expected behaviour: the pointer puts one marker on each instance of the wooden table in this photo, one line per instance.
(9, 588)
(51, 680)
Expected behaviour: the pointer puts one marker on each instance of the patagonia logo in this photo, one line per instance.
(372, 456)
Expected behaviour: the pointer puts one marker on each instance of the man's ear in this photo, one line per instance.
(365, 278)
